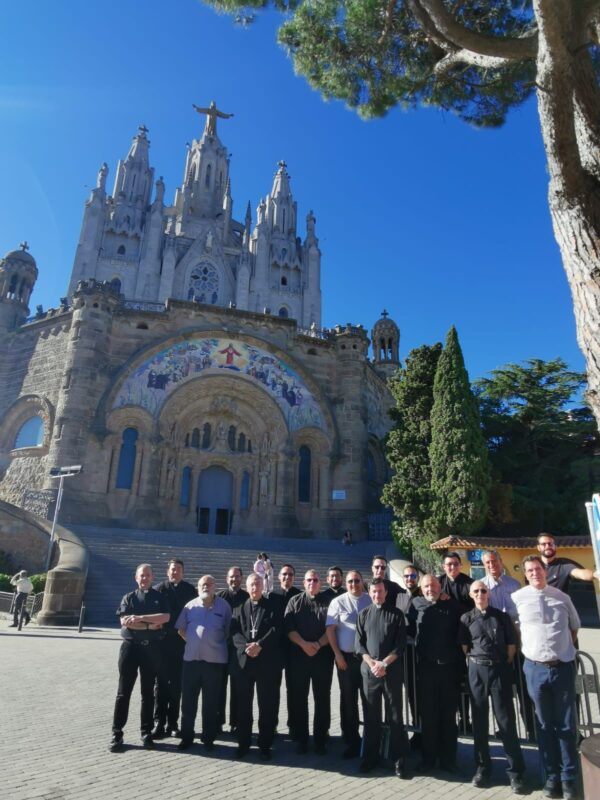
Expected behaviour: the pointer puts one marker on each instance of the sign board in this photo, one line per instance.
(338, 494)
(593, 513)
(474, 556)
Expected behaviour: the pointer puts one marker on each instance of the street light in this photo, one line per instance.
(61, 473)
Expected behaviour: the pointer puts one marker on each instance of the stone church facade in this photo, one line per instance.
(186, 369)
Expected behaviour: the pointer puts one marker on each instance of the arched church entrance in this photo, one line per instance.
(215, 500)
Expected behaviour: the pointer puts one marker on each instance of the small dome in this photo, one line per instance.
(19, 259)
(386, 325)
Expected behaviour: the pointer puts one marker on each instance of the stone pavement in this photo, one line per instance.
(57, 690)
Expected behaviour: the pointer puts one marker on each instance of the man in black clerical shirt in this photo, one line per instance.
(167, 691)
(379, 567)
(280, 597)
(434, 625)
(559, 571)
(143, 614)
(488, 638)
(235, 596)
(455, 583)
(256, 629)
(311, 661)
(335, 583)
(381, 641)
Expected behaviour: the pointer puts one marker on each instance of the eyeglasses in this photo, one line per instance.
(286, 574)
(312, 580)
(379, 566)
(354, 580)
(412, 575)
(480, 591)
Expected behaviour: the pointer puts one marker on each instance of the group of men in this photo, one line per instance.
(186, 643)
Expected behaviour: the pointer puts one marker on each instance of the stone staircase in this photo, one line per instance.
(115, 553)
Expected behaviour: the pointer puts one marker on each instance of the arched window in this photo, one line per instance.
(187, 440)
(231, 437)
(31, 433)
(12, 287)
(207, 179)
(121, 250)
(206, 431)
(127, 459)
(245, 492)
(242, 443)
(204, 284)
(249, 446)
(304, 468)
(284, 281)
(283, 312)
(116, 284)
(196, 438)
(186, 483)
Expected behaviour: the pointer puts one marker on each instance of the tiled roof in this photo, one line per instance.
(483, 542)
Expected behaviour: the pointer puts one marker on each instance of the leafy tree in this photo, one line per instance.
(478, 58)
(541, 447)
(408, 492)
(459, 462)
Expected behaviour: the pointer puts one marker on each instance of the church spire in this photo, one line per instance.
(281, 205)
(134, 178)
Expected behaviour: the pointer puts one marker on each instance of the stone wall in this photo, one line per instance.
(24, 537)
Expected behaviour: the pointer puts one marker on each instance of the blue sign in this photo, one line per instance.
(474, 555)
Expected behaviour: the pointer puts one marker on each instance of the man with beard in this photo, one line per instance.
(379, 567)
(256, 661)
(167, 691)
(335, 583)
(559, 571)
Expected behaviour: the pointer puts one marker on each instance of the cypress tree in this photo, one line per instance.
(460, 475)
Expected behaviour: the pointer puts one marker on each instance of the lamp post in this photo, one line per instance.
(61, 473)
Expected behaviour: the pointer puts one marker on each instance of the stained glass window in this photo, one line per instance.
(204, 284)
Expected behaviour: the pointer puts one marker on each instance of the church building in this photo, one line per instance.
(187, 370)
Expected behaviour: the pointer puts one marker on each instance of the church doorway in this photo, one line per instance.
(214, 506)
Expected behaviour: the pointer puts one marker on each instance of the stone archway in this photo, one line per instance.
(215, 500)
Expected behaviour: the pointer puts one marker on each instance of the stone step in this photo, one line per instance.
(115, 553)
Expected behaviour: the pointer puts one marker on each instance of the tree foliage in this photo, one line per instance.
(460, 477)
(541, 447)
(408, 492)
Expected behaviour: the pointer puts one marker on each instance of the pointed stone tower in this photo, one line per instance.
(18, 274)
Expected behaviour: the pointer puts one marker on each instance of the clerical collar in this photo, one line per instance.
(254, 602)
(143, 591)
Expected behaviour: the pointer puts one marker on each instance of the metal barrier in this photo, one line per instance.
(33, 605)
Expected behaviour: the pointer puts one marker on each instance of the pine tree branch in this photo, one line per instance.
(468, 58)
(434, 16)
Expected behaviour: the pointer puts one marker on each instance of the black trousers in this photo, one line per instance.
(227, 679)
(288, 688)
(494, 681)
(134, 656)
(318, 671)
(351, 688)
(205, 677)
(438, 690)
(20, 601)
(375, 689)
(266, 679)
(410, 681)
(167, 691)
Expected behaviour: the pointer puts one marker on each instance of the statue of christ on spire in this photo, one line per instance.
(212, 112)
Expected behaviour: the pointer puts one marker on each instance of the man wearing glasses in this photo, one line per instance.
(379, 568)
(489, 641)
(311, 661)
(280, 597)
(341, 632)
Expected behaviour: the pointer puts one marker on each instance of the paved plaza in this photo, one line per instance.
(58, 687)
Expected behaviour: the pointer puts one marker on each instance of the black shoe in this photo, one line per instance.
(159, 732)
(452, 769)
(321, 749)
(185, 744)
(570, 790)
(28, 620)
(242, 752)
(116, 743)
(481, 779)
(353, 751)
(400, 768)
(13, 625)
(553, 789)
(516, 785)
(148, 742)
(265, 754)
(210, 746)
(302, 748)
(367, 765)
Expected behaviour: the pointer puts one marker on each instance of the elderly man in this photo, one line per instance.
(204, 625)
(379, 567)
(549, 624)
(501, 586)
(335, 583)
(342, 615)
(143, 614)
(167, 692)
(489, 640)
(311, 661)
(235, 596)
(381, 640)
(559, 571)
(23, 587)
(434, 626)
(256, 630)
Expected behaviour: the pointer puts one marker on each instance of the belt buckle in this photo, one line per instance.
(145, 642)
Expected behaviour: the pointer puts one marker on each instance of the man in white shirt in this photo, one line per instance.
(549, 624)
(342, 615)
(501, 586)
(23, 586)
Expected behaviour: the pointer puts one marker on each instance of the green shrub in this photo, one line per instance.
(39, 582)
(5, 583)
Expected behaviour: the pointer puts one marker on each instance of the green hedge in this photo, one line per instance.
(38, 581)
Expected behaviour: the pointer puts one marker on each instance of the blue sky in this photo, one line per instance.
(440, 223)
